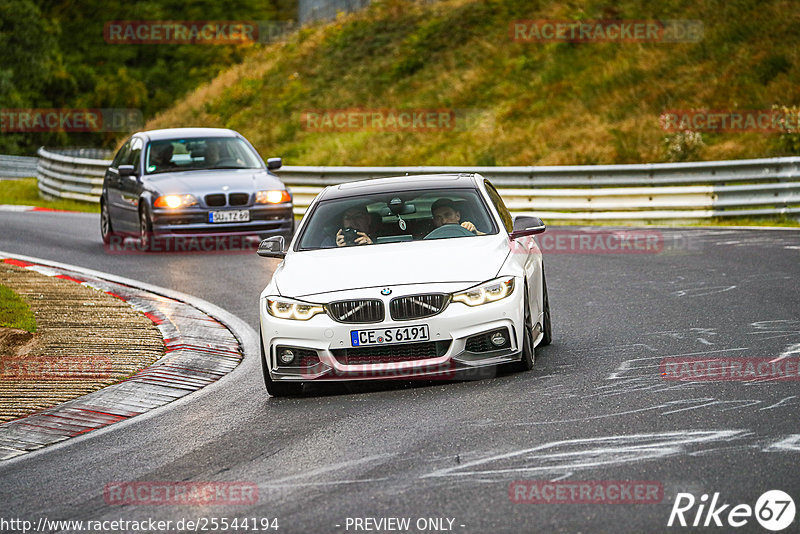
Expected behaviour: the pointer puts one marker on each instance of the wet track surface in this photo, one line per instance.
(595, 407)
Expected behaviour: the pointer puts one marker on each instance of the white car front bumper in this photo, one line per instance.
(458, 343)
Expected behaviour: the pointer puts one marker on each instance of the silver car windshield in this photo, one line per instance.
(198, 153)
(397, 217)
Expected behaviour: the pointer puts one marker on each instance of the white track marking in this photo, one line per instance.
(568, 455)
(778, 403)
(792, 349)
(790, 443)
(327, 469)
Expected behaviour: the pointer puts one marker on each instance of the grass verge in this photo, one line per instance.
(15, 312)
(25, 192)
(514, 102)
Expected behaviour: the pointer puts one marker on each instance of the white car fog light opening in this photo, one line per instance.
(286, 356)
(498, 339)
(491, 291)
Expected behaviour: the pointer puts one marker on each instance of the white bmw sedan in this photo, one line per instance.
(413, 277)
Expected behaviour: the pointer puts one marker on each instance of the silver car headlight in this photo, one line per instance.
(284, 308)
(175, 201)
(491, 291)
(276, 196)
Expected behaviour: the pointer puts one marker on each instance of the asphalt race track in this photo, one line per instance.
(596, 407)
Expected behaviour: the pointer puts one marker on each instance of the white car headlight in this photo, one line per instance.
(486, 292)
(284, 308)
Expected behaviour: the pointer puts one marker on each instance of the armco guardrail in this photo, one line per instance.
(17, 167)
(72, 173)
(655, 191)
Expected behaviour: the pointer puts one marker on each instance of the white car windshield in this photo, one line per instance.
(397, 217)
(200, 153)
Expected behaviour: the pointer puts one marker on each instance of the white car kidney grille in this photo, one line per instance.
(356, 311)
(417, 306)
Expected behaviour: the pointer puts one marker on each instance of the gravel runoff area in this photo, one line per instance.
(86, 339)
(195, 346)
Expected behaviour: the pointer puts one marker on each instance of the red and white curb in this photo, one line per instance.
(199, 350)
(20, 208)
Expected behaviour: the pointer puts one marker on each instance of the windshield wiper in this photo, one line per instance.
(231, 167)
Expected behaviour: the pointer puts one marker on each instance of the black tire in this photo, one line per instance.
(547, 325)
(145, 231)
(528, 356)
(106, 228)
(277, 389)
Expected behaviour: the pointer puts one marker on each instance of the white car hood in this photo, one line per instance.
(465, 259)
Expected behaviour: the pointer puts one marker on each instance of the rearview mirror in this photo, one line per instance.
(274, 163)
(525, 225)
(272, 247)
(397, 206)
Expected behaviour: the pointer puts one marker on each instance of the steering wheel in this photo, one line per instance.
(448, 230)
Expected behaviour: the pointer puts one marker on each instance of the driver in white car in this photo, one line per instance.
(444, 211)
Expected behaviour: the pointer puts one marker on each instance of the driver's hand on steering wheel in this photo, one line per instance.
(471, 227)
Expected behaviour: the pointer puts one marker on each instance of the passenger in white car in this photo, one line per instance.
(357, 227)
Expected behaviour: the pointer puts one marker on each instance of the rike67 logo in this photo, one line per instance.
(774, 510)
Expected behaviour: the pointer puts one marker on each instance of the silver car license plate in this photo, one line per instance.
(389, 336)
(229, 216)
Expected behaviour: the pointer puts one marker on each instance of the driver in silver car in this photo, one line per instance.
(162, 157)
(212, 155)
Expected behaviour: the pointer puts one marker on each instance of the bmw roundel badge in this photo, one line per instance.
(386, 291)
